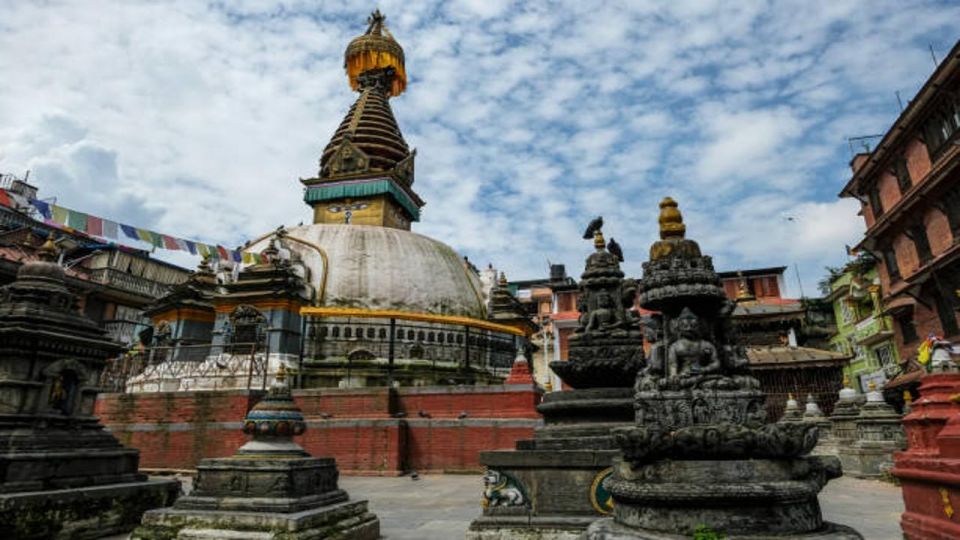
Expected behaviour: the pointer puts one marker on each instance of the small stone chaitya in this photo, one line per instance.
(551, 487)
(702, 454)
(270, 489)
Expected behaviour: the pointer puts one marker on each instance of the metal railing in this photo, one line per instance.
(436, 344)
(128, 282)
(208, 367)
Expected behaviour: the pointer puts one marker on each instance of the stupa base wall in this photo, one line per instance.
(82, 513)
(528, 527)
(369, 431)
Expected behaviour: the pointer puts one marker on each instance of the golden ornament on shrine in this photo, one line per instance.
(375, 49)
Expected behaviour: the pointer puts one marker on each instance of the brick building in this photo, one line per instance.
(909, 191)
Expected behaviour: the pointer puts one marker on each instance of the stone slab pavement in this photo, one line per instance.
(440, 507)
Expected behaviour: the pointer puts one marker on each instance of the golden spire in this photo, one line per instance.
(375, 49)
(907, 397)
(503, 280)
(598, 241)
(281, 373)
(846, 381)
(872, 386)
(48, 251)
(671, 220)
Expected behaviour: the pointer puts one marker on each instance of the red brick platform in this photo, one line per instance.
(370, 431)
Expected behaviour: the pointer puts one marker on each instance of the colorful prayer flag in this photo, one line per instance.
(191, 247)
(130, 232)
(156, 239)
(169, 242)
(59, 214)
(43, 208)
(223, 253)
(110, 229)
(76, 220)
(94, 225)
(247, 258)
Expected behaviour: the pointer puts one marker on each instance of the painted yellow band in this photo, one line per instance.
(408, 316)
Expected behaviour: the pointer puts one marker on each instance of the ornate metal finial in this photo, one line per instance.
(789, 396)
(375, 22)
(48, 251)
(503, 280)
(907, 397)
(598, 241)
(281, 373)
(846, 381)
(872, 386)
(376, 50)
(671, 220)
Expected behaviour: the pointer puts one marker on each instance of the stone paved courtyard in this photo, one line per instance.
(440, 507)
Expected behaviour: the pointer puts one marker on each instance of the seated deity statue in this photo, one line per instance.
(604, 318)
(653, 372)
(691, 360)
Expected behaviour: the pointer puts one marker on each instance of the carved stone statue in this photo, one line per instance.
(606, 347)
(691, 358)
(702, 450)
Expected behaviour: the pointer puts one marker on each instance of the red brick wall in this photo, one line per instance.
(938, 231)
(361, 428)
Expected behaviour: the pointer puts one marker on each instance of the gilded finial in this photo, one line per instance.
(503, 280)
(743, 290)
(281, 373)
(48, 251)
(789, 396)
(846, 381)
(598, 241)
(671, 220)
(907, 397)
(872, 386)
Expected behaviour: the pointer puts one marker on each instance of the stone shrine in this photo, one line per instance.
(551, 487)
(702, 453)
(270, 489)
(61, 474)
(879, 433)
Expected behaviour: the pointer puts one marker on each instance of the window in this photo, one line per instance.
(902, 173)
(890, 261)
(907, 330)
(951, 207)
(919, 234)
(948, 318)
(885, 355)
(845, 312)
(941, 127)
(876, 205)
(348, 332)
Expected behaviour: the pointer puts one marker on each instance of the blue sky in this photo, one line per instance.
(529, 118)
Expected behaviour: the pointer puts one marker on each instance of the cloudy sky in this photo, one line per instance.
(530, 118)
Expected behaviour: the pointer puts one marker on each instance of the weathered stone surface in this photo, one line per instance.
(271, 488)
(879, 433)
(701, 452)
(61, 474)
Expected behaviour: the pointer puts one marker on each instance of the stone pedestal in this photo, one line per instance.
(701, 454)
(61, 475)
(271, 489)
(879, 434)
(929, 469)
(551, 487)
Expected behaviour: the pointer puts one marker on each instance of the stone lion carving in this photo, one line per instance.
(500, 489)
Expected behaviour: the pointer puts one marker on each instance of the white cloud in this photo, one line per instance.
(529, 119)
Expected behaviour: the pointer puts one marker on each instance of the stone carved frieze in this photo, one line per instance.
(502, 489)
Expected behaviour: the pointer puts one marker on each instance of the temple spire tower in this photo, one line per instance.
(366, 170)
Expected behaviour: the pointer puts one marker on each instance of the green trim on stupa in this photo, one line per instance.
(376, 186)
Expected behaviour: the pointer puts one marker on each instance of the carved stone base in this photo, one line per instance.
(346, 521)
(266, 497)
(601, 361)
(84, 512)
(528, 528)
(678, 408)
(740, 498)
(608, 529)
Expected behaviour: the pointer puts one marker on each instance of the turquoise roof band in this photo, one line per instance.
(319, 193)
